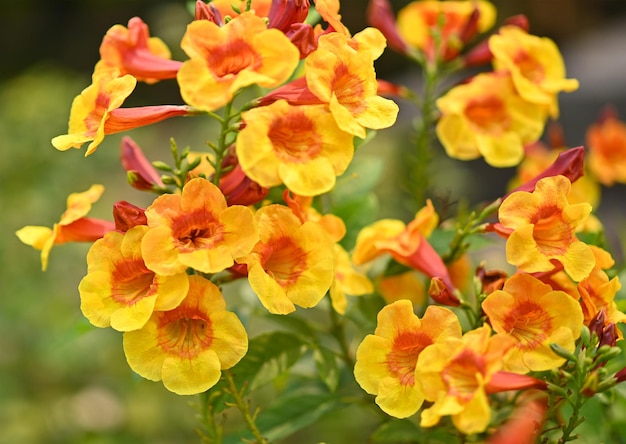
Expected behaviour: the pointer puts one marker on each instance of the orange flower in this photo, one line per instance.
(134, 52)
(598, 292)
(225, 7)
(535, 64)
(345, 79)
(541, 226)
(486, 117)
(419, 21)
(292, 264)
(72, 227)
(386, 361)
(196, 229)
(223, 60)
(96, 111)
(188, 347)
(408, 285)
(119, 291)
(535, 316)
(606, 141)
(407, 244)
(300, 146)
(455, 375)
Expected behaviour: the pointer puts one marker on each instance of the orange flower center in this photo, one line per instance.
(230, 59)
(529, 67)
(528, 324)
(402, 359)
(184, 333)
(131, 281)
(197, 230)
(460, 376)
(295, 138)
(551, 233)
(349, 89)
(488, 114)
(284, 261)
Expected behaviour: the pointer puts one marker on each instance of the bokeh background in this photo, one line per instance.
(63, 381)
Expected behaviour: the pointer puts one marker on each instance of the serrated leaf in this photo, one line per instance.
(327, 368)
(268, 356)
(290, 414)
(397, 431)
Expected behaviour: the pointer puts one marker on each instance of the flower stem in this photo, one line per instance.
(244, 408)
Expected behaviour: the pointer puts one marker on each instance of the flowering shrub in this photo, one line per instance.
(218, 284)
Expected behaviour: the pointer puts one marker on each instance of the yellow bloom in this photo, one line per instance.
(386, 361)
(454, 375)
(72, 227)
(542, 227)
(347, 281)
(91, 109)
(300, 146)
(225, 7)
(535, 316)
(188, 347)
(345, 79)
(119, 291)
(225, 59)
(196, 229)
(292, 264)
(535, 64)
(418, 21)
(486, 117)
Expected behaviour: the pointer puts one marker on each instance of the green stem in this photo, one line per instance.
(244, 408)
(220, 149)
(338, 331)
(213, 432)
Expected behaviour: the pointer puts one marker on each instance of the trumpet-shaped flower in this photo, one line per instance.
(223, 60)
(606, 141)
(96, 111)
(345, 79)
(386, 361)
(535, 316)
(134, 52)
(300, 146)
(188, 347)
(541, 228)
(292, 264)
(407, 244)
(535, 64)
(486, 117)
(72, 227)
(419, 21)
(118, 290)
(139, 171)
(196, 229)
(455, 375)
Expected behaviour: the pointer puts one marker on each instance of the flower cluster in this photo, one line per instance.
(293, 101)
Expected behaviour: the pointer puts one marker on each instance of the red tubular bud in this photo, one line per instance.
(127, 216)
(380, 15)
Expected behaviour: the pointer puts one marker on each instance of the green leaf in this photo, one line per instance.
(356, 214)
(327, 368)
(360, 178)
(290, 414)
(396, 431)
(268, 356)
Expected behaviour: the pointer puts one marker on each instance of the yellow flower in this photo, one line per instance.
(535, 316)
(386, 361)
(347, 281)
(542, 227)
(72, 227)
(196, 229)
(486, 117)
(91, 109)
(225, 7)
(455, 374)
(225, 59)
(535, 64)
(300, 146)
(345, 79)
(119, 291)
(419, 21)
(188, 347)
(292, 264)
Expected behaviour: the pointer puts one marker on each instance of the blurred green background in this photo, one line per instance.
(63, 381)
